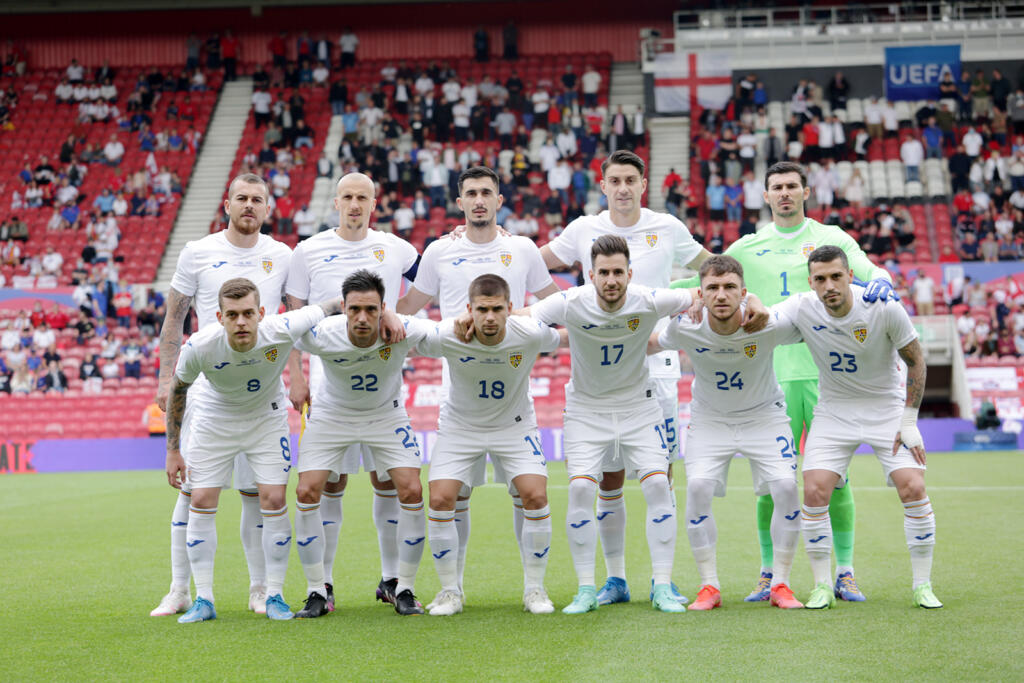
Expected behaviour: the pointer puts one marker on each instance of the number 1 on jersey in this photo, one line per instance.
(785, 284)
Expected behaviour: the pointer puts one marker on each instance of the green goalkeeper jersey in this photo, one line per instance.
(774, 264)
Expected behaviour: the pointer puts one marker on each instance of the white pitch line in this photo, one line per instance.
(856, 488)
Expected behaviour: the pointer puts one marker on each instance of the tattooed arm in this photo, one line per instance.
(909, 434)
(170, 341)
(175, 414)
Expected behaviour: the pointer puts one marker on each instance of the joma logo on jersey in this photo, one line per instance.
(379, 255)
(652, 239)
(632, 324)
(271, 354)
(268, 265)
(750, 350)
(385, 353)
(506, 258)
(514, 359)
(806, 248)
(860, 334)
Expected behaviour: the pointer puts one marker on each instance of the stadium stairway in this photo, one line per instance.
(322, 201)
(207, 186)
(670, 148)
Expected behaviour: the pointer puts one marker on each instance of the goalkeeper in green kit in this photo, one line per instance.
(774, 264)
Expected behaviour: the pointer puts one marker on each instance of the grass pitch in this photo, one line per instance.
(85, 557)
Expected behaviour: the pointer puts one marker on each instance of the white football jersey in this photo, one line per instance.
(449, 266)
(609, 350)
(321, 263)
(655, 242)
(359, 382)
(857, 355)
(734, 376)
(244, 384)
(206, 264)
(489, 385)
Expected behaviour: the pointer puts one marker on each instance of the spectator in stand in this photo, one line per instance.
(996, 170)
(285, 212)
(132, 353)
(21, 381)
(989, 248)
(591, 85)
(873, 118)
(960, 169)
(968, 249)
(715, 196)
(348, 42)
(933, 138)
(733, 200)
(53, 378)
(824, 181)
(912, 154)
(980, 92)
(113, 151)
(305, 222)
(838, 91)
(972, 142)
(52, 262)
(510, 41)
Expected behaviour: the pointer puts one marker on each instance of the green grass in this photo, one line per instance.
(84, 557)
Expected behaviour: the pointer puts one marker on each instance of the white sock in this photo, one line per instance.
(331, 516)
(785, 528)
(180, 569)
(444, 546)
(579, 527)
(611, 526)
(411, 537)
(385, 518)
(919, 528)
(517, 521)
(536, 544)
(250, 528)
(701, 529)
(277, 544)
(662, 525)
(462, 527)
(309, 537)
(202, 547)
(817, 530)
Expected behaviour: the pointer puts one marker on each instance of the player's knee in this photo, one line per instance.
(410, 492)
(816, 493)
(307, 493)
(534, 500)
(912, 489)
(274, 500)
(441, 501)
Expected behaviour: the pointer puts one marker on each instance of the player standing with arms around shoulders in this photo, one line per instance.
(737, 407)
(656, 241)
(203, 266)
(857, 348)
(774, 264)
(319, 267)
(242, 412)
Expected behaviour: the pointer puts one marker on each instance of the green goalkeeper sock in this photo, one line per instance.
(843, 513)
(765, 508)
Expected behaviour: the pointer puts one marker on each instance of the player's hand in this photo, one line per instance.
(163, 391)
(756, 315)
(913, 442)
(175, 469)
(879, 288)
(391, 328)
(464, 327)
(696, 310)
(298, 391)
(460, 230)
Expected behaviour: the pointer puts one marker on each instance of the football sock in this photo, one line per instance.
(843, 513)
(701, 528)
(661, 524)
(765, 510)
(919, 528)
(250, 528)
(463, 527)
(611, 526)
(385, 518)
(309, 537)
(180, 569)
(444, 546)
(330, 516)
(202, 547)
(517, 520)
(411, 532)
(817, 530)
(579, 527)
(785, 528)
(536, 544)
(277, 544)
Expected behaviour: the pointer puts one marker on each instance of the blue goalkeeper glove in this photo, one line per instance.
(879, 288)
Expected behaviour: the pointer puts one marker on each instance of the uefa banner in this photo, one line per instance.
(913, 73)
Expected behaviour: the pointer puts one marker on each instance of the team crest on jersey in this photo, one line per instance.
(632, 324)
(652, 238)
(379, 255)
(271, 354)
(515, 358)
(268, 265)
(806, 248)
(506, 258)
(860, 334)
(750, 350)
(385, 353)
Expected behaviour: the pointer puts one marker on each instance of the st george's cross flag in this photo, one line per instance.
(691, 82)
